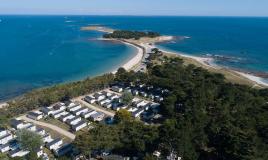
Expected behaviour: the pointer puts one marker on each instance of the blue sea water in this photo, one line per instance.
(37, 51)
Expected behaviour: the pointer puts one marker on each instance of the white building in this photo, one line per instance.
(40, 131)
(31, 127)
(99, 96)
(36, 115)
(18, 153)
(58, 115)
(80, 125)
(137, 113)
(97, 116)
(17, 124)
(6, 138)
(74, 120)
(74, 108)
(46, 138)
(117, 89)
(66, 117)
(4, 148)
(88, 114)
(54, 144)
(3, 132)
(90, 99)
(80, 111)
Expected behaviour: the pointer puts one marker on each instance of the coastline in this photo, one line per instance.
(208, 63)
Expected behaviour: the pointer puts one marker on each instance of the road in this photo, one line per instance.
(109, 113)
(50, 126)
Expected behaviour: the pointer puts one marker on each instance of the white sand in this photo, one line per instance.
(209, 62)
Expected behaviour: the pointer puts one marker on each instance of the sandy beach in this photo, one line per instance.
(145, 45)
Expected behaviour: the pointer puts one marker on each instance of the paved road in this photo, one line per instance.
(109, 113)
(53, 127)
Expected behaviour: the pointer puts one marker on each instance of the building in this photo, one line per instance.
(80, 111)
(80, 125)
(3, 132)
(39, 153)
(64, 149)
(107, 105)
(97, 116)
(17, 124)
(137, 113)
(58, 115)
(54, 144)
(47, 111)
(99, 96)
(40, 131)
(31, 127)
(89, 99)
(4, 148)
(74, 120)
(18, 153)
(66, 117)
(46, 138)
(74, 108)
(117, 89)
(37, 115)
(88, 114)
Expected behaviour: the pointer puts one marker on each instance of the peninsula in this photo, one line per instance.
(144, 42)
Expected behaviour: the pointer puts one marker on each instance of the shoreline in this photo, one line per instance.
(209, 62)
(132, 62)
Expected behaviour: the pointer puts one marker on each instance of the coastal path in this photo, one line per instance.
(109, 113)
(50, 126)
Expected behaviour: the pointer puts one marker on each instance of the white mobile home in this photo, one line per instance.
(17, 124)
(90, 99)
(4, 148)
(74, 120)
(117, 89)
(66, 117)
(97, 116)
(75, 108)
(80, 125)
(18, 153)
(36, 115)
(80, 111)
(54, 144)
(6, 138)
(88, 114)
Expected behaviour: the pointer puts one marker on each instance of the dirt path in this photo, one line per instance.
(109, 113)
(50, 126)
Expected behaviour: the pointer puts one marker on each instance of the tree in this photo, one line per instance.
(127, 98)
(3, 156)
(122, 116)
(30, 141)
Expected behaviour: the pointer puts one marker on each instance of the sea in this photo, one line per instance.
(40, 51)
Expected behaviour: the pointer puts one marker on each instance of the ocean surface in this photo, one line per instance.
(38, 51)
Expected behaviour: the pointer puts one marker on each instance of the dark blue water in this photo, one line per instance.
(37, 51)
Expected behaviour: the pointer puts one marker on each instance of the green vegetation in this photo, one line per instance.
(30, 141)
(131, 34)
(48, 96)
(127, 97)
(205, 118)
